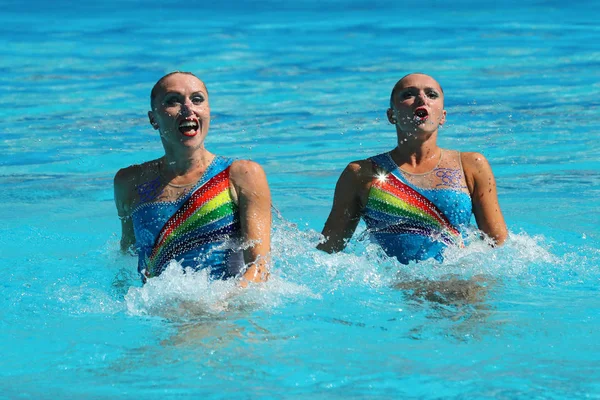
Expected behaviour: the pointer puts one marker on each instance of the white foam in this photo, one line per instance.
(183, 293)
(300, 271)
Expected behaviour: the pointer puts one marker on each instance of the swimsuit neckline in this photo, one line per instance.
(403, 174)
(192, 184)
(179, 199)
(389, 154)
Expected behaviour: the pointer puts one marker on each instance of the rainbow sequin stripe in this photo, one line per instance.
(398, 208)
(208, 215)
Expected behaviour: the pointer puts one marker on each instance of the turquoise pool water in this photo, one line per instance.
(301, 88)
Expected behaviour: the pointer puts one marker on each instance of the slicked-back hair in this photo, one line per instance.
(154, 91)
(393, 94)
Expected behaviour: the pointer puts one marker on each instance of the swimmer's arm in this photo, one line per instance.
(254, 202)
(347, 207)
(122, 185)
(484, 196)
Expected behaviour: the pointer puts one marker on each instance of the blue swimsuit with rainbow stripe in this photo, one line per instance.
(413, 223)
(200, 229)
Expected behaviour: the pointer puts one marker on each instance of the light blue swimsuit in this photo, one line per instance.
(413, 223)
(208, 236)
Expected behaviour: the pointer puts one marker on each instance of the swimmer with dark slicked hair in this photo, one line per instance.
(191, 206)
(418, 198)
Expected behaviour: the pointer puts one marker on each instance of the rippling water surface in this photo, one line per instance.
(301, 88)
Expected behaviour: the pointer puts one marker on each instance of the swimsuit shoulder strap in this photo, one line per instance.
(218, 164)
(384, 162)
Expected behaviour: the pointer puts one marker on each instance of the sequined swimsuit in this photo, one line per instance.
(412, 222)
(201, 229)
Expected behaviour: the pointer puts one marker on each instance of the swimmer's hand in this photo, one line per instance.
(255, 273)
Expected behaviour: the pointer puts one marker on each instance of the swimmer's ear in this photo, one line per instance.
(443, 119)
(152, 121)
(391, 116)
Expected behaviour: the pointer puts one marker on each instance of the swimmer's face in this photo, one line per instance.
(180, 110)
(418, 104)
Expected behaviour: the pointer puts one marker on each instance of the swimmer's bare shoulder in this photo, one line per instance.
(475, 165)
(363, 170)
(247, 176)
(128, 179)
(349, 200)
(355, 182)
(250, 190)
(126, 182)
(484, 196)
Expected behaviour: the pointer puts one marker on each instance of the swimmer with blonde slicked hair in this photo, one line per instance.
(190, 205)
(418, 198)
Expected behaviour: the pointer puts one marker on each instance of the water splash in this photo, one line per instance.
(301, 272)
(179, 293)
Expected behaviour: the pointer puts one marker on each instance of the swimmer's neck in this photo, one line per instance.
(413, 152)
(179, 163)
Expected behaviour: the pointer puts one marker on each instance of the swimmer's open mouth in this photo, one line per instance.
(421, 114)
(189, 127)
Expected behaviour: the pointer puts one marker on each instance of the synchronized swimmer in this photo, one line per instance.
(190, 205)
(417, 198)
(209, 211)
